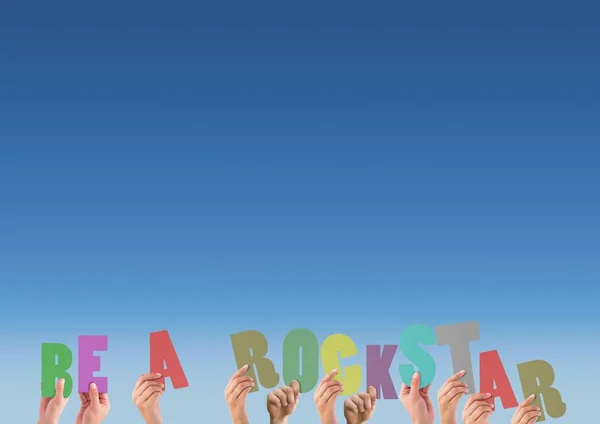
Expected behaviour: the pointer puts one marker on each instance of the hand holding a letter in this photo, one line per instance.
(146, 395)
(325, 395)
(52, 408)
(448, 397)
(282, 402)
(478, 409)
(236, 393)
(416, 401)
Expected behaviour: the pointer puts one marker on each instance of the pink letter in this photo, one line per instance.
(88, 363)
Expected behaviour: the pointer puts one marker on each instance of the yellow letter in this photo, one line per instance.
(350, 377)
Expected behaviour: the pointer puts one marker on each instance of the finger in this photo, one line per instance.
(476, 404)
(527, 401)
(522, 411)
(154, 397)
(477, 397)
(531, 416)
(332, 393)
(404, 390)
(145, 385)
(360, 404)
(348, 404)
(456, 394)
(296, 389)
(372, 391)
(324, 386)
(60, 389)
(289, 394)
(94, 396)
(235, 375)
(534, 419)
(237, 382)
(146, 377)
(480, 410)
(273, 399)
(242, 389)
(456, 376)
(449, 386)
(415, 384)
(366, 398)
(146, 394)
(330, 376)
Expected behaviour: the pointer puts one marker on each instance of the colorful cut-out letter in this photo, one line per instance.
(57, 358)
(492, 371)
(458, 336)
(250, 348)
(409, 345)
(378, 370)
(305, 369)
(351, 377)
(537, 377)
(88, 363)
(164, 360)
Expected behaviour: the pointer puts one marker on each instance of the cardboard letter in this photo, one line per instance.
(88, 363)
(163, 353)
(304, 370)
(540, 371)
(492, 371)
(458, 337)
(57, 358)
(351, 377)
(409, 345)
(250, 348)
(378, 370)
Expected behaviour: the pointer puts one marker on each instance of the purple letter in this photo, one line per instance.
(378, 370)
(88, 363)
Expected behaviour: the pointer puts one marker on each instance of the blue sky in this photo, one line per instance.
(209, 168)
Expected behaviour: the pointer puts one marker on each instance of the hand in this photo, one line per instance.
(526, 412)
(282, 402)
(236, 392)
(94, 406)
(146, 395)
(359, 408)
(325, 395)
(448, 397)
(52, 408)
(417, 402)
(477, 409)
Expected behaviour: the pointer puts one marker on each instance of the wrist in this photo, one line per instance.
(278, 420)
(328, 418)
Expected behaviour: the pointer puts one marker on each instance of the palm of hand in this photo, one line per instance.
(90, 413)
(50, 408)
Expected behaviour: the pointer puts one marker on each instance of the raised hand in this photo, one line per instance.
(146, 396)
(449, 395)
(282, 402)
(359, 408)
(52, 408)
(235, 394)
(325, 395)
(526, 412)
(417, 402)
(478, 410)
(94, 406)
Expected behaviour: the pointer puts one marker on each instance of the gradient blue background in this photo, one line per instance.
(354, 167)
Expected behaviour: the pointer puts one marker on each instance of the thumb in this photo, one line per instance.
(415, 384)
(60, 389)
(94, 395)
(372, 391)
(296, 389)
(528, 400)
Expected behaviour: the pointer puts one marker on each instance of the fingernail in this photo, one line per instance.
(487, 395)
(537, 408)
(531, 396)
(334, 370)
(93, 386)
(162, 385)
(251, 379)
(61, 381)
(462, 372)
(252, 384)
(245, 366)
(158, 374)
(415, 375)
(539, 414)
